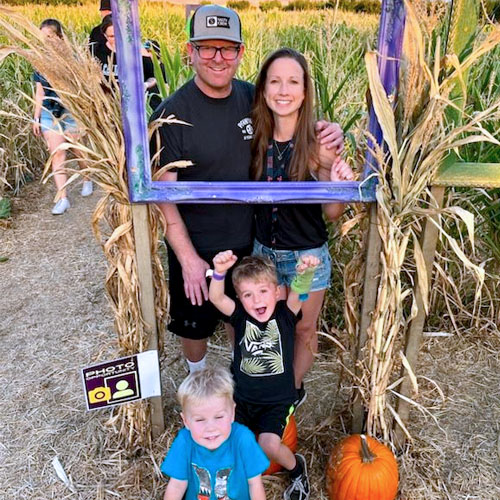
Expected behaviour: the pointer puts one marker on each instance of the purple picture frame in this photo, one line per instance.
(142, 189)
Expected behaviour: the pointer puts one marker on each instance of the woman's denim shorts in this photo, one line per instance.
(286, 260)
(60, 125)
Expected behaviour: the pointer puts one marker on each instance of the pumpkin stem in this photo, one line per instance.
(366, 454)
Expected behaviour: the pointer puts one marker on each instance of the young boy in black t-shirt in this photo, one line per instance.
(263, 352)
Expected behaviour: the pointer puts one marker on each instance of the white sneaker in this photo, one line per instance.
(87, 188)
(61, 206)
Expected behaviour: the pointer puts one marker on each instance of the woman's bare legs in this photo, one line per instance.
(54, 140)
(87, 187)
(306, 335)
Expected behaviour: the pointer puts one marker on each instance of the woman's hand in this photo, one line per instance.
(341, 171)
(37, 129)
(149, 83)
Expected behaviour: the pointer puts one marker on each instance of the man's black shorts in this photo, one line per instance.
(187, 320)
(261, 418)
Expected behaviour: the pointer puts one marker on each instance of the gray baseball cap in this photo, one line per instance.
(213, 22)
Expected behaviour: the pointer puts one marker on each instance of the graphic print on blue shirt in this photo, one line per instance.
(204, 479)
(261, 350)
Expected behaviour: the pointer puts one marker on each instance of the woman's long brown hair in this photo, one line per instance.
(304, 156)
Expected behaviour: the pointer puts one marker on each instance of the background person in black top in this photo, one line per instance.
(218, 143)
(285, 149)
(106, 55)
(264, 330)
(96, 36)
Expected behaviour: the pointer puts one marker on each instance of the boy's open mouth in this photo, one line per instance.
(261, 310)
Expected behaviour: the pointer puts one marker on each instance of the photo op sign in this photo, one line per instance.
(141, 187)
(122, 380)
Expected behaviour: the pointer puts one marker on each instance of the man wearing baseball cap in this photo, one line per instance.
(217, 106)
(96, 37)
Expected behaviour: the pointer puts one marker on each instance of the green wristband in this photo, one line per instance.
(301, 284)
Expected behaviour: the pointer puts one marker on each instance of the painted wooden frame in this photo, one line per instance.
(142, 189)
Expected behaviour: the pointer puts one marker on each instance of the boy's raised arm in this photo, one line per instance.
(175, 489)
(222, 262)
(301, 284)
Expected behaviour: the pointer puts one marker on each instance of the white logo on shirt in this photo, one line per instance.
(246, 128)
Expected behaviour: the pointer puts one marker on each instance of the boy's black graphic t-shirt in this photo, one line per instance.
(263, 356)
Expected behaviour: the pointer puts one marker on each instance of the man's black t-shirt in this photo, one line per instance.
(263, 356)
(218, 143)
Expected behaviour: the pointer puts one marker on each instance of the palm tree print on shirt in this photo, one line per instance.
(261, 351)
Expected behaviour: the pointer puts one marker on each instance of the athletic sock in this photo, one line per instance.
(297, 470)
(195, 366)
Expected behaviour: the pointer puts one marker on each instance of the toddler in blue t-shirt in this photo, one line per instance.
(212, 457)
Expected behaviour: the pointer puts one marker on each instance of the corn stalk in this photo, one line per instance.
(415, 146)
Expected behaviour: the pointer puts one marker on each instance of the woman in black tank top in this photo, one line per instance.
(285, 149)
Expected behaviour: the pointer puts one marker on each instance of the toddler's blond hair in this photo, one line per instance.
(202, 384)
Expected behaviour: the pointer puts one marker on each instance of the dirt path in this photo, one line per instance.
(54, 319)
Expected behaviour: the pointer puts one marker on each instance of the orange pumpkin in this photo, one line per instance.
(289, 439)
(362, 468)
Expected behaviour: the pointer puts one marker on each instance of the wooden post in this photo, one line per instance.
(147, 299)
(370, 286)
(415, 332)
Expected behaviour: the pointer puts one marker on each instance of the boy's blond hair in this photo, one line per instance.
(202, 384)
(254, 268)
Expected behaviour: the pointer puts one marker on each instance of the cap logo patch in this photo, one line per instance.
(218, 22)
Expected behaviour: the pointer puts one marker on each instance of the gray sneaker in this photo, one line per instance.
(299, 489)
(87, 188)
(60, 207)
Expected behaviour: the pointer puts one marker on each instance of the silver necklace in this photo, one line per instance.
(281, 153)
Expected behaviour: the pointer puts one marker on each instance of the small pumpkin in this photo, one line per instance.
(362, 468)
(289, 439)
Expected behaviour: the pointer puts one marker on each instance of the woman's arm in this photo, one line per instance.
(39, 95)
(332, 168)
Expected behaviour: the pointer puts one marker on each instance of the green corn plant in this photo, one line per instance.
(339, 77)
(462, 28)
(4, 208)
(175, 73)
(20, 152)
(484, 90)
